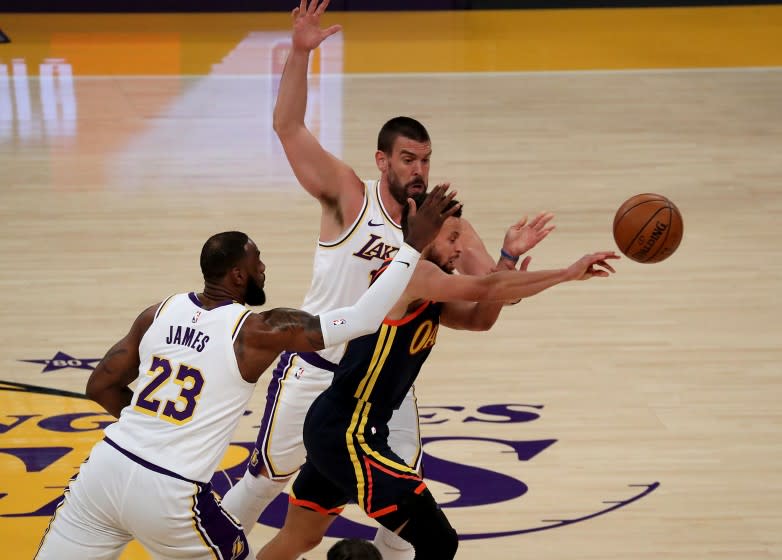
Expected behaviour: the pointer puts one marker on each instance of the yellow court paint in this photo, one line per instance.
(470, 41)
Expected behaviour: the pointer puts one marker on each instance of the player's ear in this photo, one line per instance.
(238, 275)
(381, 160)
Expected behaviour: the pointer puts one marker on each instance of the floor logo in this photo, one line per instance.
(50, 444)
(61, 360)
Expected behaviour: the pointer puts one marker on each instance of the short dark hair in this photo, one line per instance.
(400, 126)
(353, 549)
(419, 199)
(221, 253)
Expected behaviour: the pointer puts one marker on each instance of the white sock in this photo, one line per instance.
(392, 546)
(247, 499)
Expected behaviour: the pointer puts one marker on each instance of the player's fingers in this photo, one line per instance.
(451, 211)
(295, 13)
(433, 198)
(521, 223)
(525, 263)
(331, 30)
(605, 265)
(302, 7)
(411, 210)
(438, 193)
(545, 218)
(536, 220)
(322, 7)
(312, 7)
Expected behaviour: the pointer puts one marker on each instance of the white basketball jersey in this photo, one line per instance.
(190, 394)
(343, 267)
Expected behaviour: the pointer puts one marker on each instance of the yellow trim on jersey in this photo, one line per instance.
(373, 362)
(360, 484)
(374, 454)
(163, 306)
(382, 362)
(353, 228)
(239, 323)
(195, 525)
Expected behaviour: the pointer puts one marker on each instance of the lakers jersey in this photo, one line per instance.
(190, 394)
(380, 368)
(342, 268)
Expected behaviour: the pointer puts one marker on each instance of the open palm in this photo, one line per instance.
(523, 236)
(307, 34)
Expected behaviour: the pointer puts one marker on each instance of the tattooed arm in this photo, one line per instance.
(264, 335)
(108, 383)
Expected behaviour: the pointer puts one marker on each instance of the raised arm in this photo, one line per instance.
(324, 176)
(108, 383)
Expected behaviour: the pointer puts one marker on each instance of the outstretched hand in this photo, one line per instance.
(424, 223)
(523, 236)
(307, 34)
(591, 265)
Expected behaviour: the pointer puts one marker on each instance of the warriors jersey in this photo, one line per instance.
(190, 394)
(342, 268)
(380, 368)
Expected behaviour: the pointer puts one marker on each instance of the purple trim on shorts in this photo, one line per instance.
(315, 359)
(148, 465)
(218, 529)
(271, 399)
(197, 301)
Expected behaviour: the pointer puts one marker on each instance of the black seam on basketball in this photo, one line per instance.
(667, 232)
(627, 249)
(619, 219)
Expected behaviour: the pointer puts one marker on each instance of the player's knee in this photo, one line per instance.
(428, 529)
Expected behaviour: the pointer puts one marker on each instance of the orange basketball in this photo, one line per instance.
(648, 228)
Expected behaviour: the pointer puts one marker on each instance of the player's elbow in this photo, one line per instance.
(93, 389)
(481, 323)
(284, 128)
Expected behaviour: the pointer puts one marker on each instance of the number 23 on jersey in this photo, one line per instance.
(179, 411)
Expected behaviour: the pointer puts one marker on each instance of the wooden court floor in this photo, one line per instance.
(633, 417)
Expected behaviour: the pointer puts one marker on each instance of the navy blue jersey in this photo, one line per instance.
(380, 368)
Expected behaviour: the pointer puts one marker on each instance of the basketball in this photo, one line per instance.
(648, 228)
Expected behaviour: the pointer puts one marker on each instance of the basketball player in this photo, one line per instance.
(196, 358)
(346, 429)
(359, 228)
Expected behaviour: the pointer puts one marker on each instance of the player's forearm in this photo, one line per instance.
(484, 315)
(291, 102)
(513, 285)
(475, 259)
(366, 315)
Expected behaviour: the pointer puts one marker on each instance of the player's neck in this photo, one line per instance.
(215, 295)
(391, 205)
